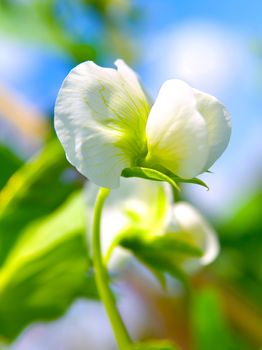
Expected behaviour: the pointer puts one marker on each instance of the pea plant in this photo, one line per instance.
(111, 132)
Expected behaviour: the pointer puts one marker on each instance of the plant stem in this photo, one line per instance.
(102, 277)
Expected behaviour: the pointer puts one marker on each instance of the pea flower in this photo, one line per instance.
(137, 205)
(195, 228)
(106, 123)
(142, 211)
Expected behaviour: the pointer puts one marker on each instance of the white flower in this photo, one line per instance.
(144, 208)
(105, 124)
(136, 204)
(187, 130)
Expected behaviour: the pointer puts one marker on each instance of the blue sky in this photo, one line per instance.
(243, 15)
(207, 43)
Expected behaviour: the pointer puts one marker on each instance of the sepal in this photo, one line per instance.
(159, 175)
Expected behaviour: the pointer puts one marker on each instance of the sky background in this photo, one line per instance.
(213, 45)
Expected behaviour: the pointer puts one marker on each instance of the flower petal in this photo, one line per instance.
(144, 203)
(218, 124)
(176, 131)
(197, 229)
(138, 205)
(100, 118)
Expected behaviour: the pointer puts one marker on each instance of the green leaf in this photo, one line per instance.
(46, 269)
(155, 345)
(210, 328)
(163, 253)
(35, 190)
(171, 244)
(149, 174)
(10, 162)
(246, 220)
(240, 237)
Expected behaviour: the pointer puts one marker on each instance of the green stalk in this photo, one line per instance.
(102, 278)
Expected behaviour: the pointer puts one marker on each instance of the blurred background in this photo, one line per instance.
(48, 299)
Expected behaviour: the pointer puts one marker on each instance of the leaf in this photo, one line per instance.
(171, 244)
(246, 220)
(34, 191)
(149, 174)
(46, 269)
(211, 330)
(240, 237)
(161, 253)
(9, 164)
(155, 345)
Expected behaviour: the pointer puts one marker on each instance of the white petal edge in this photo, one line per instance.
(95, 108)
(191, 222)
(129, 75)
(176, 132)
(218, 124)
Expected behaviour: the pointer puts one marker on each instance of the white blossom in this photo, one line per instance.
(106, 124)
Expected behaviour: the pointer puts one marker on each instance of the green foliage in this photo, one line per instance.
(162, 254)
(50, 24)
(156, 345)
(160, 175)
(44, 258)
(238, 263)
(36, 21)
(46, 269)
(9, 164)
(247, 220)
(35, 190)
(210, 328)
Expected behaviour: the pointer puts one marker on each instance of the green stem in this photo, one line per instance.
(102, 278)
